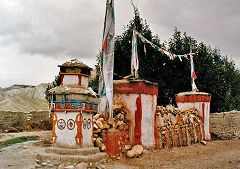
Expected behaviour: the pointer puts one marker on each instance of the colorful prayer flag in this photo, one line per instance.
(107, 58)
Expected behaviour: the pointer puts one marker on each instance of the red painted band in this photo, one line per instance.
(193, 98)
(140, 87)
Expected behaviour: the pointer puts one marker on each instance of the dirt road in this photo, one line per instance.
(217, 154)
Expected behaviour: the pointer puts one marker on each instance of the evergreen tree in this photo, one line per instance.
(216, 74)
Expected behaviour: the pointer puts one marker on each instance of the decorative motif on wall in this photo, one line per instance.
(84, 123)
(70, 124)
(61, 124)
(74, 105)
(54, 122)
(79, 122)
(89, 122)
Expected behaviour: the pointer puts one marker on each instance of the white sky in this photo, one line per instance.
(36, 36)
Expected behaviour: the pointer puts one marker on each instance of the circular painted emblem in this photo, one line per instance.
(84, 123)
(70, 124)
(61, 124)
(89, 123)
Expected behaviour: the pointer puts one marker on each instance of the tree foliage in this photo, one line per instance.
(216, 74)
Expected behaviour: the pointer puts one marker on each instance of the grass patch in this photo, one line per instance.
(17, 140)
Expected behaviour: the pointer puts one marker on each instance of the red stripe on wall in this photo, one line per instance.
(193, 98)
(203, 112)
(140, 87)
(79, 80)
(138, 122)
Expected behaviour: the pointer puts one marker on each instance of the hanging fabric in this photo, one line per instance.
(107, 58)
(134, 59)
(193, 74)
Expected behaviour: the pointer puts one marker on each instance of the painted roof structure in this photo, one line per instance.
(74, 63)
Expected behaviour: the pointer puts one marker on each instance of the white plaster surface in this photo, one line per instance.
(66, 137)
(87, 131)
(70, 80)
(84, 81)
(149, 103)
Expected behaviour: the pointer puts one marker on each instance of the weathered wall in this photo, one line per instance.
(225, 125)
(19, 121)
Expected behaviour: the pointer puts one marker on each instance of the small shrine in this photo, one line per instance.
(72, 105)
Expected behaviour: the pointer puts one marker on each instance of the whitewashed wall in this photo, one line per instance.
(149, 104)
(70, 80)
(66, 136)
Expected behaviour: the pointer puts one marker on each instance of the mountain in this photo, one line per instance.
(23, 98)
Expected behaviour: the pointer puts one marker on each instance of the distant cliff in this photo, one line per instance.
(23, 98)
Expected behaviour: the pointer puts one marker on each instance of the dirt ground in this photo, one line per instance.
(216, 154)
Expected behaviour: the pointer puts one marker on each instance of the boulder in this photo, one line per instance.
(99, 124)
(81, 166)
(98, 143)
(138, 149)
(131, 154)
(96, 116)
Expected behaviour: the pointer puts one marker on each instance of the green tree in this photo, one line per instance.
(216, 74)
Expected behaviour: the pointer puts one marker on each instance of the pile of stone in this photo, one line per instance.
(178, 128)
(102, 126)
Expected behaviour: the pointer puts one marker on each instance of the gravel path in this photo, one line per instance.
(217, 154)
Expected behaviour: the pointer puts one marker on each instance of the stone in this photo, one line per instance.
(138, 149)
(131, 154)
(99, 124)
(94, 139)
(81, 166)
(117, 106)
(119, 116)
(61, 166)
(203, 142)
(106, 126)
(127, 147)
(69, 167)
(50, 165)
(100, 119)
(44, 164)
(119, 123)
(96, 116)
(95, 126)
(97, 131)
(98, 143)
(37, 161)
(38, 166)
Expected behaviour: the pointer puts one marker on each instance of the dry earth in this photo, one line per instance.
(217, 154)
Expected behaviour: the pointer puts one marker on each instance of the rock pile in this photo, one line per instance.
(177, 128)
(101, 127)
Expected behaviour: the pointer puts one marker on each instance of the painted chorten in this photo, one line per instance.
(73, 104)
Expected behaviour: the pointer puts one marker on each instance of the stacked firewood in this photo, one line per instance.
(178, 128)
(102, 126)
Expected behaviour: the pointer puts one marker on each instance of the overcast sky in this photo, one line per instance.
(37, 35)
